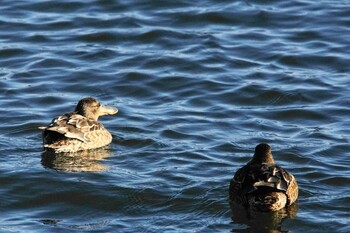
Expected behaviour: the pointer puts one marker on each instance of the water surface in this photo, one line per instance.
(198, 86)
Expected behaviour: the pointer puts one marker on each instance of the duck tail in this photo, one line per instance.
(270, 201)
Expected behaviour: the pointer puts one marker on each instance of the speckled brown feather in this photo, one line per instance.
(263, 186)
(73, 132)
(80, 133)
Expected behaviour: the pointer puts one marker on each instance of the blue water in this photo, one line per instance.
(198, 85)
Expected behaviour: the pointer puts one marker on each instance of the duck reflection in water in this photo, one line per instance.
(261, 222)
(81, 161)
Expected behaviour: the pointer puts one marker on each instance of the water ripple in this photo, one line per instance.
(198, 85)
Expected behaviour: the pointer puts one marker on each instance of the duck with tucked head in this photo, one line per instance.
(262, 185)
(80, 129)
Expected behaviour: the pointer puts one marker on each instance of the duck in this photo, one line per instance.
(262, 185)
(78, 130)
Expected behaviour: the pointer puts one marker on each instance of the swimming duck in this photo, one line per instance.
(262, 185)
(78, 130)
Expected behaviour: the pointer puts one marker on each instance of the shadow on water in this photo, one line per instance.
(261, 221)
(84, 161)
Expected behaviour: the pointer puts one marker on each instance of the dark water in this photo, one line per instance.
(199, 84)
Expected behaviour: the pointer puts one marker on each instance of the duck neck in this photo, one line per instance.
(262, 158)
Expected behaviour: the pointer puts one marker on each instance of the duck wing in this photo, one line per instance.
(73, 125)
(272, 177)
(292, 190)
(236, 186)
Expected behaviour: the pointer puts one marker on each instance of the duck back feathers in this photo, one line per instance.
(263, 186)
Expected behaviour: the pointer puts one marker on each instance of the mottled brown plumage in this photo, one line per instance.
(80, 129)
(262, 185)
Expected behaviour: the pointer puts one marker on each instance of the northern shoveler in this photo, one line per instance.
(262, 185)
(78, 130)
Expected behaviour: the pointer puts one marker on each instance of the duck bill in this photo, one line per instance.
(107, 110)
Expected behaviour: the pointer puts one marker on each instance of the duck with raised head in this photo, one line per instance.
(78, 130)
(262, 185)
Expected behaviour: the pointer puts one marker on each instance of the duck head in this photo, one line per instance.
(92, 109)
(263, 154)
